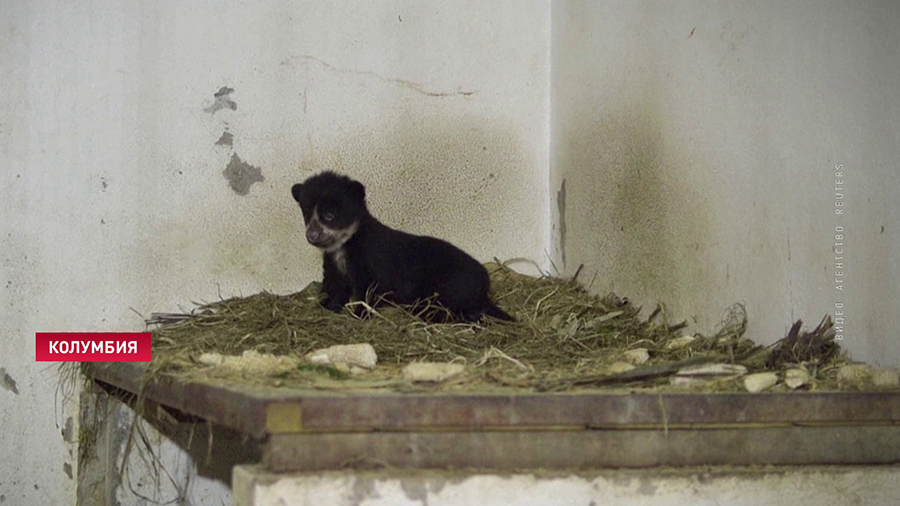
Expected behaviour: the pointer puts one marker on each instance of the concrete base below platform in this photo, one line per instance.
(732, 486)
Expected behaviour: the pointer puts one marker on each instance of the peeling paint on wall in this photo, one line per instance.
(7, 382)
(222, 100)
(363, 489)
(241, 175)
(227, 139)
(415, 490)
(67, 468)
(68, 432)
(647, 487)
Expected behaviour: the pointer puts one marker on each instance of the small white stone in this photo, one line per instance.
(253, 362)
(760, 381)
(250, 362)
(680, 342)
(213, 359)
(434, 372)
(854, 376)
(619, 367)
(885, 378)
(359, 355)
(796, 378)
(637, 356)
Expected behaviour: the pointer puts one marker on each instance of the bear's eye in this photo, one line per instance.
(328, 216)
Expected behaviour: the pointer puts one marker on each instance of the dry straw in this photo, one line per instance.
(561, 332)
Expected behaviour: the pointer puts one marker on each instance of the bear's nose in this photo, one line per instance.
(313, 235)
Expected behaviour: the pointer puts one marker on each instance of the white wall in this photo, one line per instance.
(698, 144)
(113, 193)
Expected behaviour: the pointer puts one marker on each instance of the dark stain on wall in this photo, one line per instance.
(68, 432)
(561, 207)
(636, 223)
(7, 382)
(227, 139)
(222, 100)
(241, 175)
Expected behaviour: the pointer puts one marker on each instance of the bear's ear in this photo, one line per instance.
(358, 190)
(297, 191)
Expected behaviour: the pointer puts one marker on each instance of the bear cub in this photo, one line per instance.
(363, 257)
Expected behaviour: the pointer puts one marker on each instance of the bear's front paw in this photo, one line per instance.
(332, 305)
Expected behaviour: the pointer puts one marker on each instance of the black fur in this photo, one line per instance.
(364, 257)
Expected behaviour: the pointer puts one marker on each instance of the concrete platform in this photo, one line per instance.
(718, 486)
(315, 430)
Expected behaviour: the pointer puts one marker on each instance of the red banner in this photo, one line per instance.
(92, 346)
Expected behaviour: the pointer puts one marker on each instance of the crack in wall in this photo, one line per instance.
(411, 85)
(561, 207)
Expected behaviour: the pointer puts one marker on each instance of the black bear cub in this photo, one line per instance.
(363, 257)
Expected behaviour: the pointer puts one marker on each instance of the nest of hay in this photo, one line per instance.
(562, 333)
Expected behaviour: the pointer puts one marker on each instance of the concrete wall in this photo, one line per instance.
(693, 159)
(127, 184)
